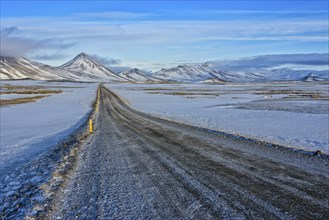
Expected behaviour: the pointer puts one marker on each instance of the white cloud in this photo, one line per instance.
(270, 61)
(119, 34)
(113, 15)
(12, 44)
(175, 31)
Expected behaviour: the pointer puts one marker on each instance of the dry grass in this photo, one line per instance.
(154, 92)
(309, 96)
(286, 92)
(189, 95)
(12, 87)
(15, 89)
(31, 92)
(179, 88)
(21, 100)
(296, 94)
(154, 89)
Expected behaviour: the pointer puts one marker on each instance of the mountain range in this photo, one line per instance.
(84, 68)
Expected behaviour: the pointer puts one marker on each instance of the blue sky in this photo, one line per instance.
(156, 34)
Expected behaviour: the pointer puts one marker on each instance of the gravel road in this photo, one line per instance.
(140, 167)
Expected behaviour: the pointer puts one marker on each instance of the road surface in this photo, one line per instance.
(140, 167)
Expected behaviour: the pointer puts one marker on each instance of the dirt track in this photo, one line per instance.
(140, 167)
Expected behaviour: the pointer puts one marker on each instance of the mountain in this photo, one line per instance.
(286, 74)
(187, 73)
(83, 66)
(312, 77)
(80, 68)
(137, 75)
(204, 72)
(20, 68)
(208, 72)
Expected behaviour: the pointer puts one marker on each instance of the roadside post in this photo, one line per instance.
(90, 126)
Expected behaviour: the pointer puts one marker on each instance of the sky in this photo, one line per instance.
(154, 34)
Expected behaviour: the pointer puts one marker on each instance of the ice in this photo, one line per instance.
(243, 109)
(29, 129)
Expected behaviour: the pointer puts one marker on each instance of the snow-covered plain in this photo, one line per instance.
(28, 130)
(289, 114)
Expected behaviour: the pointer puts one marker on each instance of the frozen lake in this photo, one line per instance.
(29, 129)
(290, 114)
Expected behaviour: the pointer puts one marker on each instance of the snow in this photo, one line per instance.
(85, 67)
(81, 68)
(18, 68)
(138, 76)
(209, 71)
(243, 109)
(29, 129)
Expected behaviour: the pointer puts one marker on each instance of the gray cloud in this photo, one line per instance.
(8, 31)
(111, 63)
(118, 69)
(14, 45)
(54, 56)
(105, 61)
(269, 61)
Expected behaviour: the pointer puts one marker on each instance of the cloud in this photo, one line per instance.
(55, 56)
(270, 61)
(159, 31)
(111, 63)
(118, 69)
(8, 31)
(161, 40)
(113, 15)
(265, 11)
(13, 44)
(104, 60)
(55, 43)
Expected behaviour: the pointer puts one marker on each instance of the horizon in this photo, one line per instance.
(162, 34)
(311, 62)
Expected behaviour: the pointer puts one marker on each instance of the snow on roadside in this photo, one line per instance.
(28, 130)
(289, 127)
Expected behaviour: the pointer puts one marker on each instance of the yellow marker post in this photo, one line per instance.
(90, 126)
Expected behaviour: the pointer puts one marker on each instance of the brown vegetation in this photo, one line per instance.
(13, 89)
(32, 92)
(21, 100)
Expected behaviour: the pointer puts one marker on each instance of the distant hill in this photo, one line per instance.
(137, 75)
(84, 68)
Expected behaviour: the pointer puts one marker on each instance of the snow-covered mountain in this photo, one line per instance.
(290, 74)
(187, 73)
(137, 75)
(208, 72)
(80, 68)
(83, 66)
(21, 68)
(313, 77)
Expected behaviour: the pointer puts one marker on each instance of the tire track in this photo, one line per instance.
(138, 166)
